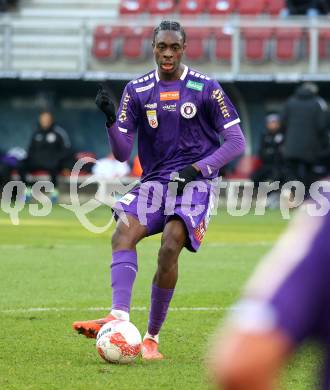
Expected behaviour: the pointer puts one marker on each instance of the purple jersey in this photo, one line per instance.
(290, 290)
(178, 122)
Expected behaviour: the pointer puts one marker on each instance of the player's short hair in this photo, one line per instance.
(169, 25)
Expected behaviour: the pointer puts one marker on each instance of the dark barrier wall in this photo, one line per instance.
(74, 108)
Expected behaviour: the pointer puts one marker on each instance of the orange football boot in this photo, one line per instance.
(91, 328)
(149, 350)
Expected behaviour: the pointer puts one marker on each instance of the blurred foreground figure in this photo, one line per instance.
(286, 302)
(49, 147)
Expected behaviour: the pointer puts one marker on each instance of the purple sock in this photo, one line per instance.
(123, 272)
(160, 301)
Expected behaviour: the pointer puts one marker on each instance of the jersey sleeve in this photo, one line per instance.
(222, 113)
(289, 289)
(127, 114)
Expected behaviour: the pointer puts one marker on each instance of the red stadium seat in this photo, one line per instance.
(132, 7)
(324, 43)
(223, 45)
(274, 7)
(251, 7)
(221, 7)
(257, 43)
(135, 42)
(104, 45)
(244, 168)
(192, 7)
(287, 44)
(197, 39)
(161, 7)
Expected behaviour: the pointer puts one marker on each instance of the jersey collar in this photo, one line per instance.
(182, 77)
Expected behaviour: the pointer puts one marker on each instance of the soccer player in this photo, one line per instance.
(178, 115)
(286, 302)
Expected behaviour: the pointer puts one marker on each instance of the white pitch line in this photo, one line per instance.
(138, 308)
(235, 244)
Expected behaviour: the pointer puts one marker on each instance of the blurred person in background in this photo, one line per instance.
(5, 169)
(306, 7)
(49, 146)
(9, 161)
(285, 303)
(304, 121)
(270, 152)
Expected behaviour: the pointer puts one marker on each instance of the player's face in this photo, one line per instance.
(45, 120)
(168, 50)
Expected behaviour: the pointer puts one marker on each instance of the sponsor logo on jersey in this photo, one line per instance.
(152, 118)
(195, 85)
(218, 95)
(173, 95)
(123, 112)
(151, 106)
(145, 88)
(170, 107)
(127, 199)
(188, 110)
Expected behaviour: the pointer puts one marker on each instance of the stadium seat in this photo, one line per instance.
(161, 7)
(221, 7)
(274, 7)
(135, 42)
(104, 45)
(132, 7)
(287, 44)
(324, 43)
(251, 7)
(244, 168)
(192, 7)
(197, 39)
(223, 45)
(257, 43)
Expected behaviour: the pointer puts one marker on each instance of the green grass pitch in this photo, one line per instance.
(53, 272)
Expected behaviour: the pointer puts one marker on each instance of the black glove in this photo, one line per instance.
(185, 176)
(105, 104)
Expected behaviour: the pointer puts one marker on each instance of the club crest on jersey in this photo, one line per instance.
(152, 118)
(188, 110)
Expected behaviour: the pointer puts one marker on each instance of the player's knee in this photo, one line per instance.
(170, 248)
(123, 240)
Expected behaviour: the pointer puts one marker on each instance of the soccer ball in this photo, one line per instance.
(118, 342)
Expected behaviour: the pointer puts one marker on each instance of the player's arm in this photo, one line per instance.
(282, 303)
(120, 127)
(249, 361)
(233, 146)
(225, 120)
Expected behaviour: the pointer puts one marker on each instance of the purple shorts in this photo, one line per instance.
(153, 205)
